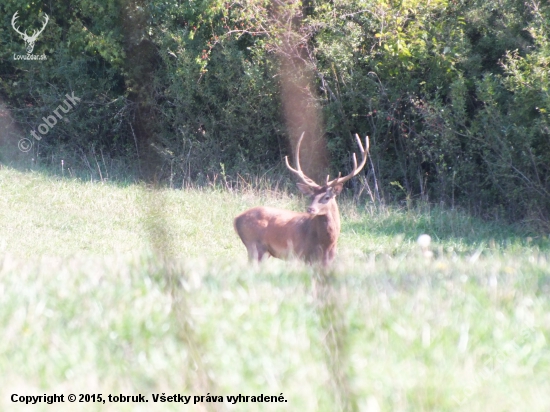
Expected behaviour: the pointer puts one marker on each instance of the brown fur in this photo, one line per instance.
(311, 236)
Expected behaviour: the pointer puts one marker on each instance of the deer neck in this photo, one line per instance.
(327, 226)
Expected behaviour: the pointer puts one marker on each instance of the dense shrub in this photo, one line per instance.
(454, 93)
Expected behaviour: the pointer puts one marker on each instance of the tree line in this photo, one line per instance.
(453, 93)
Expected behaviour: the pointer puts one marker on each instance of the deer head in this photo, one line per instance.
(323, 194)
(30, 40)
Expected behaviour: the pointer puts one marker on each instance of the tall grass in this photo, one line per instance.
(114, 289)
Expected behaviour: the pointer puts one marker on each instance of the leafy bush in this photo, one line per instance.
(453, 93)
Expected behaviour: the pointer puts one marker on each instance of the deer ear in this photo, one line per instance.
(305, 189)
(336, 190)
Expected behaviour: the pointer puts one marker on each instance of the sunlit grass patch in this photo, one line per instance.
(123, 289)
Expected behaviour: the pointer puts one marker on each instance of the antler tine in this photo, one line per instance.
(36, 33)
(298, 171)
(13, 21)
(354, 161)
(290, 167)
(298, 151)
(328, 178)
(356, 169)
(46, 20)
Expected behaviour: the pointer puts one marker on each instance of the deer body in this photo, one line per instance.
(284, 233)
(310, 236)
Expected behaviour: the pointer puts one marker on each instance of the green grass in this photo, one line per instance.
(113, 289)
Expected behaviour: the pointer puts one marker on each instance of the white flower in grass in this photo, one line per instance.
(424, 242)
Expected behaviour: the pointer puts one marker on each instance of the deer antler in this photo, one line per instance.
(298, 171)
(13, 19)
(356, 170)
(36, 33)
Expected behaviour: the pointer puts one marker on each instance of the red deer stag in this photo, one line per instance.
(310, 236)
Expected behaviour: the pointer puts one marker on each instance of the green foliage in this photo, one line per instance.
(84, 57)
(453, 93)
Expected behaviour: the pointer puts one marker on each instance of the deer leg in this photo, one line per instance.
(329, 256)
(256, 252)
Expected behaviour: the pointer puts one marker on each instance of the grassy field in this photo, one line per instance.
(119, 289)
